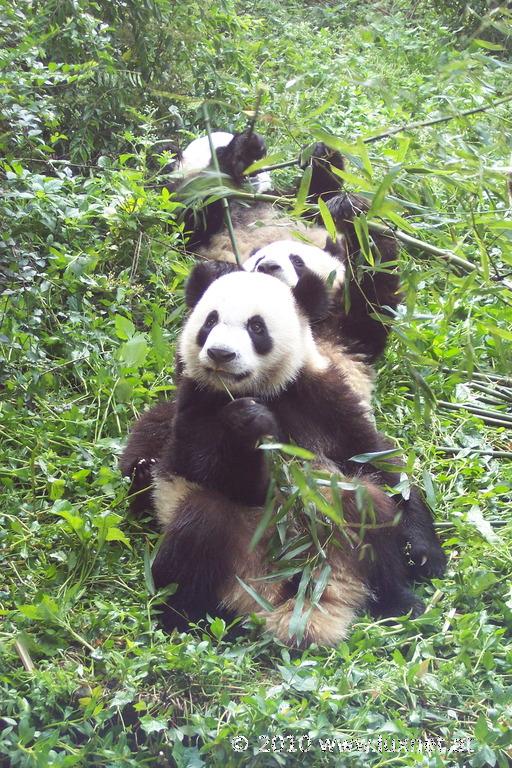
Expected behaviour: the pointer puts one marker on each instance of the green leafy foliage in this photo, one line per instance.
(92, 270)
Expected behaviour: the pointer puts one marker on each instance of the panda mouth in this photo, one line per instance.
(223, 374)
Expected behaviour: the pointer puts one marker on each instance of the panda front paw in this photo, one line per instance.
(345, 207)
(323, 155)
(425, 559)
(243, 150)
(401, 603)
(142, 473)
(249, 421)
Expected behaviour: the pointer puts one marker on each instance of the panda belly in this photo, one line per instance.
(345, 596)
(256, 227)
(353, 368)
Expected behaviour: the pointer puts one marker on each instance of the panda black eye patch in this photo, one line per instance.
(210, 322)
(260, 337)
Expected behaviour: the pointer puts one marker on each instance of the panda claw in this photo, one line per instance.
(424, 560)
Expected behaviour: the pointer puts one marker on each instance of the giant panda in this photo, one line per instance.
(350, 338)
(251, 368)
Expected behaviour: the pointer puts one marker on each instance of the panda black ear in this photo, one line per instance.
(202, 276)
(311, 295)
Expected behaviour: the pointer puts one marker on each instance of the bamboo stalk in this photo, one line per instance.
(447, 524)
(488, 417)
(476, 451)
(497, 393)
(225, 202)
(24, 655)
(481, 375)
(476, 410)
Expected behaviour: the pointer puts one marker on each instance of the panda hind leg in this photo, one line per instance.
(195, 556)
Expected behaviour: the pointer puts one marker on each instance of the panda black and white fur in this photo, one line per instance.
(350, 340)
(251, 334)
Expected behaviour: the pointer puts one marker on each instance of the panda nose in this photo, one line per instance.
(220, 354)
(269, 267)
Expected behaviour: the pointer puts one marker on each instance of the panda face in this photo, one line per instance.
(287, 260)
(247, 333)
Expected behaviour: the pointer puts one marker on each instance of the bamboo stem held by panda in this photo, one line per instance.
(225, 202)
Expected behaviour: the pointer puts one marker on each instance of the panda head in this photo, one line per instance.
(289, 259)
(250, 333)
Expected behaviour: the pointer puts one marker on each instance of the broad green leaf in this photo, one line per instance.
(124, 327)
(133, 352)
(327, 219)
(300, 201)
(116, 534)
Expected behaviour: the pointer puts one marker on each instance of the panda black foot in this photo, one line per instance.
(426, 560)
(249, 420)
(400, 604)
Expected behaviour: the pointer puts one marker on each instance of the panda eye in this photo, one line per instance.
(256, 325)
(211, 320)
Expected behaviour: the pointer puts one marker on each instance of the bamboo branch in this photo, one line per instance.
(436, 120)
(411, 127)
(374, 226)
(413, 242)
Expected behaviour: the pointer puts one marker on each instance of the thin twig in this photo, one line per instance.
(225, 202)
(436, 120)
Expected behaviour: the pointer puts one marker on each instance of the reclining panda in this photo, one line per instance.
(315, 392)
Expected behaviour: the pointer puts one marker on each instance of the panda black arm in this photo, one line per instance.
(214, 443)
(370, 291)
(143, 450)
(321, 413)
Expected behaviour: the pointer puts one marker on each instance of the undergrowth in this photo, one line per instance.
(93, 268)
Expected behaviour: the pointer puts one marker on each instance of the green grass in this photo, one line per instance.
(93, 270)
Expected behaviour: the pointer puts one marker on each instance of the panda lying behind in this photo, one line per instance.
(251, 334)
